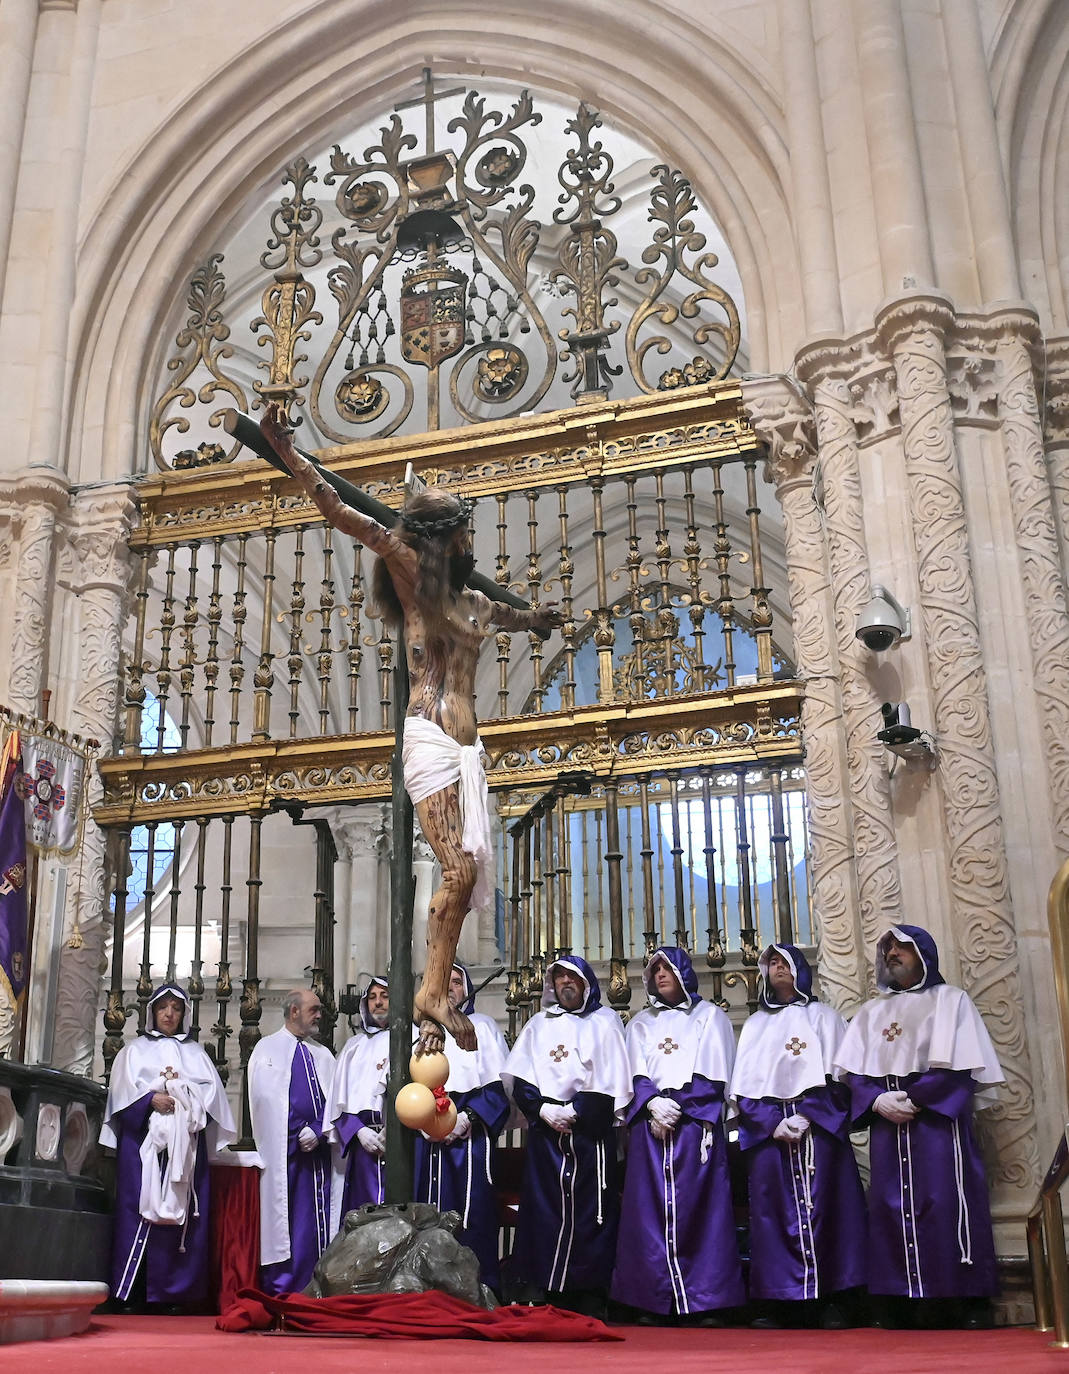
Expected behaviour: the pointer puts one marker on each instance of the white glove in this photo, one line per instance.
(799, 1123)
(461, 1130)
(658, 1131)
(557, 1117)
(372, 1141)
(664, 1111)
(896, 1106)
(307, 1139)
(786, 1130)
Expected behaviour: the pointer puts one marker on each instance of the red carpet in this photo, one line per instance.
(138, 1345)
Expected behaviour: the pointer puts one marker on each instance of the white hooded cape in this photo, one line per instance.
(669, 1046)
(562, 1054)
(783, 1053)
(173, 1064)
(269, 1105)
(908, 1032)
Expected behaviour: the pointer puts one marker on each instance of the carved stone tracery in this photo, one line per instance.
(784, 421)
(912, 332)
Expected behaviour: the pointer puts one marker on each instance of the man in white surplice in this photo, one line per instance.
(300, 1199)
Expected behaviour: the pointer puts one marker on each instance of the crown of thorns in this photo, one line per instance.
(432, 526)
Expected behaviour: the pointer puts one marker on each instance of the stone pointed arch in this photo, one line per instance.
(687, 91)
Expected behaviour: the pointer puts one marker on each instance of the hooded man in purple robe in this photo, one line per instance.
(676, 1255)
(919, 1060)
(290, 1075)
(569, 1075)
(807, 1209)
(166, 1115)
(353, 1117)
(456, 1174)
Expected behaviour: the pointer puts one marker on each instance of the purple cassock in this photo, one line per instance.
(929, 1217)
(162, 1195)
(289, 1080)
(569, 1210)
(677, 1251)
(457, 1174)
(355, 1102)
(807, 1208)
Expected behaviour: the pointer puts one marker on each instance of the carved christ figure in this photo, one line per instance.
(418, 585)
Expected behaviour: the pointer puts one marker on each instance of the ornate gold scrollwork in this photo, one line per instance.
(201, 343)
(672, 201)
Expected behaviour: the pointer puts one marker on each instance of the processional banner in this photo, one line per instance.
(51, 785)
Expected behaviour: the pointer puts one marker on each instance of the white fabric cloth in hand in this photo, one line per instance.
(558, 1117)
(664, 1111)
(895, 1106)
(799, 1123)
(786, 1130)
(658, 1131)
(307, 1139)
(707, 1143)
(165, 1193)
(372, 1141)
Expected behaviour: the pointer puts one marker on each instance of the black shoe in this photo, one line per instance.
(766, 1324)
(832, 1318)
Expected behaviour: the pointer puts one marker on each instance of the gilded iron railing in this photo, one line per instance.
(1046, 1229)
(257, 683)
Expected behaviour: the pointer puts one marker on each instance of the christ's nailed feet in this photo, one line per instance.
(434, 1018)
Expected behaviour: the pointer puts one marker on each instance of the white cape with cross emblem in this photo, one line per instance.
(578, 1052)
(673, 1044)
(783, 1053)
(907, 1032)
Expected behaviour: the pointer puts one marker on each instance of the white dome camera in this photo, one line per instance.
(883, 622)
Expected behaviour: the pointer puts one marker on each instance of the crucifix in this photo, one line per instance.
(428, 99)
(428, 594)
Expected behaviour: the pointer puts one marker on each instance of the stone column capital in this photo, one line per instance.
(927, 311)
(96, 552)
(781, 415)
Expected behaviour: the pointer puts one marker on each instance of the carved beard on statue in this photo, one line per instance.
(461, 566)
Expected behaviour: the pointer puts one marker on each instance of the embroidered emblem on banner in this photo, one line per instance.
(667, 1045)
(12, 879)
(892, 1032)
(558, 1054)
(795, 1046)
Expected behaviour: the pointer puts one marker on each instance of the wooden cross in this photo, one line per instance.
(427, 100)
(558, 1054)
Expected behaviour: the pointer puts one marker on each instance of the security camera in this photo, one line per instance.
(883, 622)
(902, 738)
(897, 727)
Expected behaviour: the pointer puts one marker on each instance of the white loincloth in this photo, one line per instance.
(433, 761)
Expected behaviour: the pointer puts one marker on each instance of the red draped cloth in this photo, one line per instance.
(424, 1316)
(235, 1251)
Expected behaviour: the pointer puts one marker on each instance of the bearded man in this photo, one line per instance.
(568, 1074)
(919, 1060)
(353, 1117)
(676, 1256)
(807, 1211)
(166, 1115)
(290, 1075)
(418, 585)
(457, 1174)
